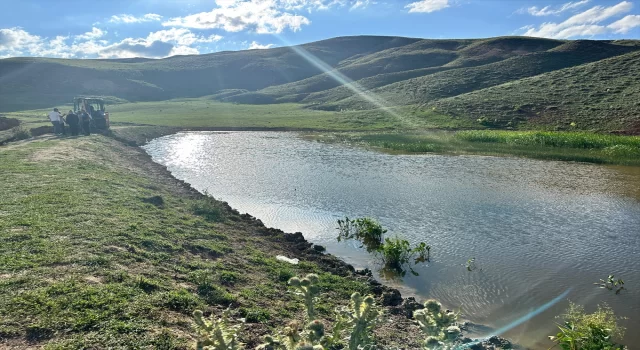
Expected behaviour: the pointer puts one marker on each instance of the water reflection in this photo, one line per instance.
(536, 228)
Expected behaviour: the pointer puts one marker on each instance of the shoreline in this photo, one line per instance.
(392, 299)
(102, 246)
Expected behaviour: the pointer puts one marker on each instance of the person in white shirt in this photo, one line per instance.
(58, 123)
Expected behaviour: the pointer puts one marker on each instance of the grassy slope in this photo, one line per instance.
(595, 96)
(462, 80)
(400, 71)
(100, 247)
(38, 82)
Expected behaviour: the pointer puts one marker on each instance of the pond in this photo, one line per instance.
(537, 229)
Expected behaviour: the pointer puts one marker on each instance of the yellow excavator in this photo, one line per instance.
(96, 108)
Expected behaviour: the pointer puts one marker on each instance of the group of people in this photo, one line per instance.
(76, 122)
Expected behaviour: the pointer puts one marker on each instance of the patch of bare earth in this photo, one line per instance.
(68, 150)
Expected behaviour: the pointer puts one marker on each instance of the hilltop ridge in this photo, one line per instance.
(449, 75)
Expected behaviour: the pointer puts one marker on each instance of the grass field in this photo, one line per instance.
(206, 113)
(399, 129)
(100, 247)
(582, 147)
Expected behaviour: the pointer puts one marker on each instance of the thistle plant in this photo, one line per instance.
(292, 339)
(216, 334)
(359, 318)
(307, 287)
(438, 325)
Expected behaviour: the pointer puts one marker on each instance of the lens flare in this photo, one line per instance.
(519, 321)
(345, 81)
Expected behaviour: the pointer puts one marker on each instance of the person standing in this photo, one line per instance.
(74, 123)
(55, 118)
(85, 119)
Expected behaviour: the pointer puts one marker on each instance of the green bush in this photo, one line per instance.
(395, 252)
(20, 133)
(365, 230)
(582, 331)
(255, 315)
(209, 209)
(229, 278)
(181, 300)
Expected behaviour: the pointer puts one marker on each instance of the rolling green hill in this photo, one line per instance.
(497, 82)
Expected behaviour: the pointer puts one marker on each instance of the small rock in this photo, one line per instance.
(410, 305)
(364, 272)
(319, 248)
(392, 297)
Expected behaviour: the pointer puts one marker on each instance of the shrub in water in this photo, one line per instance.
(395, 252)
(582, 331)
(365, 230)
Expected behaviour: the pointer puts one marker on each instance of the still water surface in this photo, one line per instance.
(536, 228)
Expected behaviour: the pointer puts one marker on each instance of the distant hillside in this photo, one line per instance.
(501, 81)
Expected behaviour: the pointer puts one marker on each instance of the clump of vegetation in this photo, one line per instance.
(611, 284)
(438, 325)
(20, 133)
(352, 329)
(582, 331)
(471, 264)
(208, 208)
(395, 252)
(365, 230)
(583, 140)
(216, 333)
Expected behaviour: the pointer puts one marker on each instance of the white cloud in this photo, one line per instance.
(427, 6)
(361, 4)
(554, 10)
(124, 18)
(624, 25)
(16, 40)
(261, 16)
(181, 36)
(170, 42)
(256, 46)
(95, 33)
(587, 23)
(264, 16)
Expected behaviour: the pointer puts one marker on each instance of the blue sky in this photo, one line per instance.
(161, 28)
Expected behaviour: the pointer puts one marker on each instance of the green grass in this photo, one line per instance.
(100, 248)
(567, 146)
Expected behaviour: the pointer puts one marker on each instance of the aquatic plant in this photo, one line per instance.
(216, 333)
(471, 264)
(424, 252)
(395, 252)
(611, 283)
(582, 331)
(366, 230)
(438, 325)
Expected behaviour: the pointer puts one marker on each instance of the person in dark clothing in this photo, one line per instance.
(74, 123)
(85, 120)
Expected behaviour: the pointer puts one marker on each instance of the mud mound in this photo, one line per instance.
(8, 123)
